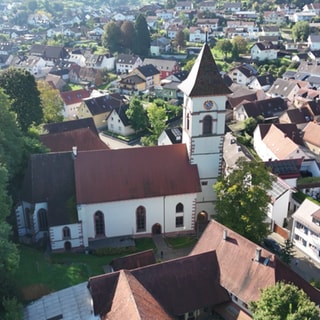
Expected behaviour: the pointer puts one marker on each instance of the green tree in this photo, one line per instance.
(128, 35)
(21, 87)
(284, 302)
(112, 37)
(225, 46)
(300, 31)
(51, 102)
(287, 251)
(242, 199)
(241, 44)
(137, 115)
(157, 118)
(142, 37)
(179, 39)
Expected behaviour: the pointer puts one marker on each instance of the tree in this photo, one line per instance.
(112, 37)
(179, 39)
(284, 302)
(225, 46)
(242, 199)
(287, 251)
(128, 35)
(241, 44)
(142, 36)
(300, 31)
(21, 87)
(137, 115)
(51, 102)
(157, 118)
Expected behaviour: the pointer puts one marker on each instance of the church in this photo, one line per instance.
(77, 198)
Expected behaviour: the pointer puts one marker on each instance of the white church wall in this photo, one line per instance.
(58, 240)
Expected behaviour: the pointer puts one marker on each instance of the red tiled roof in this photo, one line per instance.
(84, 139)
(76, 96)
(134, 173)
(239, 272)
(311, 134)
(204, 78)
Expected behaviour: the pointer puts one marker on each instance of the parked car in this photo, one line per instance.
(272, 245)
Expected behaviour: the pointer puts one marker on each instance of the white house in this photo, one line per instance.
(125, 63)
(306, 229)
(118, 121)
(197, 34)
(314, 42)
(263, 51)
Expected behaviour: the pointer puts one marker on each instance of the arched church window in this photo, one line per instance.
(179, 207)
(99, 223)
(207, 125)
(188, 121)
(66, 233)
(141, 219)
(43, 220)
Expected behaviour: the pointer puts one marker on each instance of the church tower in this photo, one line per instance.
(204, 108)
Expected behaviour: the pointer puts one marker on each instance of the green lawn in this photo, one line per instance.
(40, 274)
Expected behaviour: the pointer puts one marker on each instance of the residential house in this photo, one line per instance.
(270, 30)
(314, 42)
(51, 54)
(285, 89)
(306, 229)
(274, 40)
(210, 24)
(274, 17)
(99, 108)
(72, 100)
(312, 7)
(125, 63)
(299, 116)
(95, 34)
(311, 137)
(243, 74)
(207, 6)
(149, 73)
(298, 16)
(183, 6)
(90, 76)
(172, 31)
(83, 138)
(55, 81)
(170, 136)
(215, 256)
(118, 122)
(166, 67)
(305, 95)
(314, 55)
(197, 34)
(277, 142)
(100, 61)
(37, 66)
(165, 14)
(308, 183)
(312, 68)
(231, 7)
(262, 51)
(131, 84)
(270, 108)
(159, 46)
(262, 82)
(78, 58)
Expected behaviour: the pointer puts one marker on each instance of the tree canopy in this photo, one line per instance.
(51, 102)
(300, 31)
(284, 302)
(21, 87)
(225, 46)
(137, 115)
(112, 37)
(242, 199)
(142, 36)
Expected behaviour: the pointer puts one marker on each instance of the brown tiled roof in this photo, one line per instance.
(204, 78)
(84, 139)
(179, 285)
(71, 125)
(50, 178)
(134, 261)
(133, 301)
(76, 96)
(239, 272)
(134, 173)
(311, 133)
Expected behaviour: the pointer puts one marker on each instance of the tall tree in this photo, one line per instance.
(111, 37)
(300, 31)
(284, 302)
(179, 39)
(142, 36)
(51, 102)
(21, 87)
(128, 35)
(241, 44)
(137, 115)
(287, 251)
(225, 46)
(242, 199)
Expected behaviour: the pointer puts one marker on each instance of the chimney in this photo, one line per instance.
(258, 254)
(225, 234)
(74, 151)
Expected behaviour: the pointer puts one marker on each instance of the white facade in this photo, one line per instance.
(205, 150)
(261, 55)
(120, 216)
(117, 126)
(306, 229)
(66, 237)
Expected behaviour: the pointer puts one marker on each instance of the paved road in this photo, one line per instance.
(302, 264)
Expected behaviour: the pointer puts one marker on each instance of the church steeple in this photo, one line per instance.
(204, 78)
(204, 108)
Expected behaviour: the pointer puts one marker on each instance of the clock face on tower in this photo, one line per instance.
(208, 105)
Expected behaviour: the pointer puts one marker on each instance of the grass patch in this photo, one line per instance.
(143, 244)
(181, 242)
